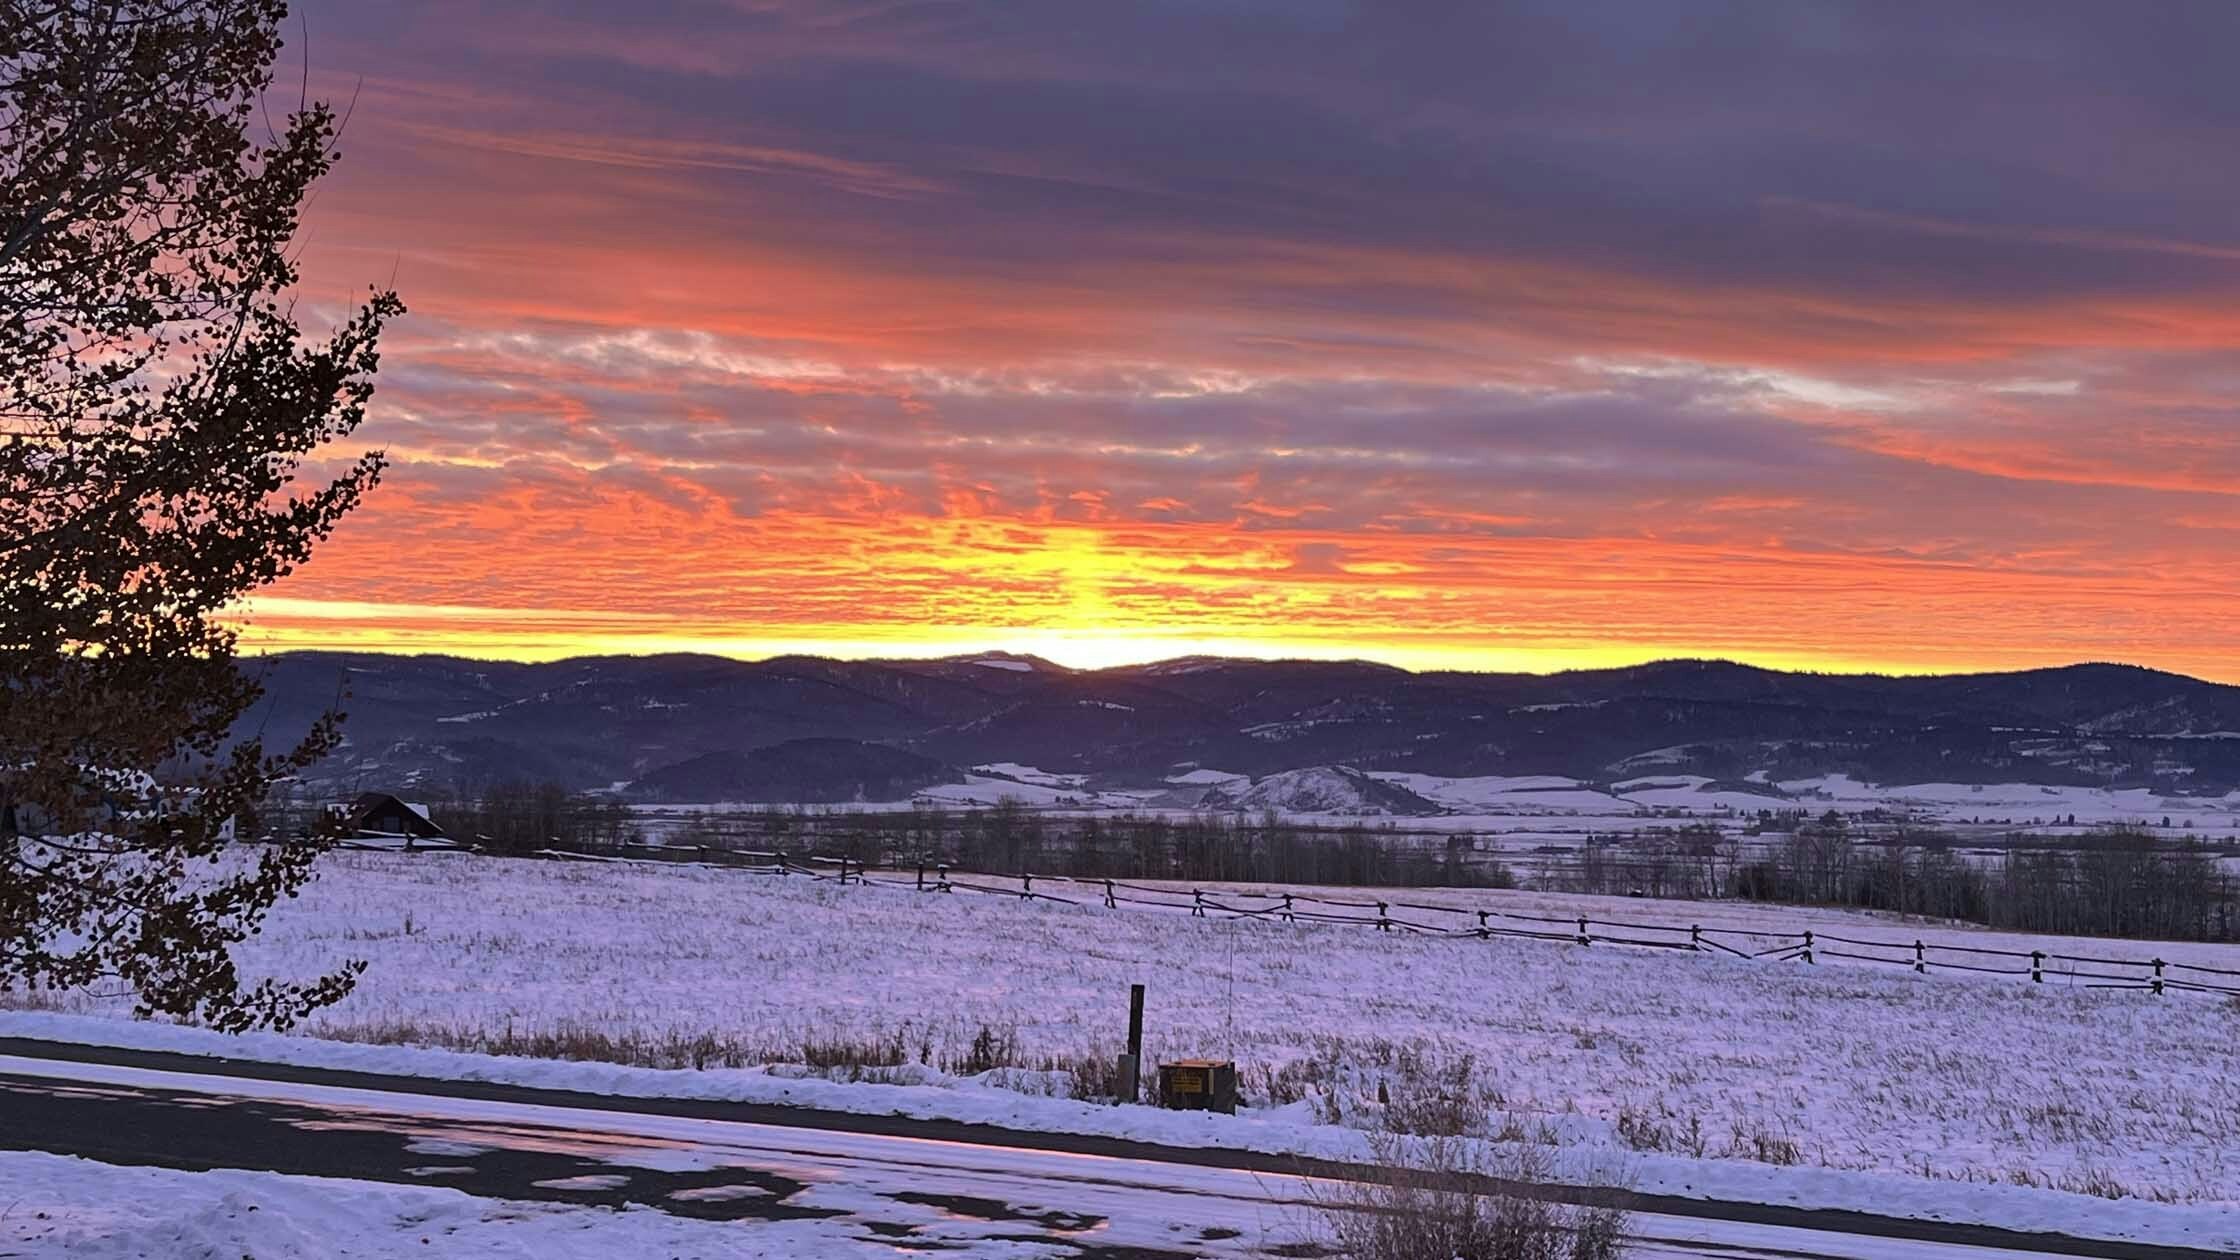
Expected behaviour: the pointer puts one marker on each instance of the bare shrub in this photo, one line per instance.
(672, 1049)
(2097, 1182)
(991, 1048)
(1443, 1198)
(1290, 1083)
(1514, 1129)
(1326, 1069)
(1661, 1130)
(1439, 1100)
(833, 1050)
(58, 1000)
(2067, 1125)
(1755, 1139)
(1407, 1087)
(1095, 1076)
(2100, 1183)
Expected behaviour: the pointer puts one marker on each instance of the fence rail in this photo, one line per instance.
(1420, 918)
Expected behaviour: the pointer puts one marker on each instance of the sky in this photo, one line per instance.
(1891, 336)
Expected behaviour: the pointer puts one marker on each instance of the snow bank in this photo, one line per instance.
(59, 1206)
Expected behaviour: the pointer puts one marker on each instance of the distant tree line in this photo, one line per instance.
(523, 816)
(1211, 848)
(2110, 883)
(1010, 839)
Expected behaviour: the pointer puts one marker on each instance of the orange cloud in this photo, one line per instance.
(1109, 345)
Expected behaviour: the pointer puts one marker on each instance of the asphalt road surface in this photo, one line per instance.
(1096, 1198)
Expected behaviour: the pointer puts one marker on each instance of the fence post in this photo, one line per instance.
(1808, 944)
(941, 875)
(1110, 902)
(2037, 966)
(1287, 909)
(1695, 937)
(2156, 983)
(1197, 904)
(1131, 1063)
(1920, 958)
(782, 863)
(1482, 932)
(921, 874)
(1584, 938)
(1384, 924)
(1026, 887)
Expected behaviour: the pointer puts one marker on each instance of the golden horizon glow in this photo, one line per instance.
(475, 633)
(699, 359)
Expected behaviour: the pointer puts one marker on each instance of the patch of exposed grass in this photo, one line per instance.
(1444, 1198)
(673, 1049)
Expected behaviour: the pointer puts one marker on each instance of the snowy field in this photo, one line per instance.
(1526, 821)
(1950, 804)
(1506, 803)
(1632, 1052)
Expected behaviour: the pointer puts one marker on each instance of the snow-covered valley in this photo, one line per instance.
(1686, 1069)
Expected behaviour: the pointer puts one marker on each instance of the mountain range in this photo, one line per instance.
(680, 726)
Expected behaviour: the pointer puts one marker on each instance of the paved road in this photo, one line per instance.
(1099, 1199)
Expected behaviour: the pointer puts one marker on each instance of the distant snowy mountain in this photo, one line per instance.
(1321, 790)
(597, 721)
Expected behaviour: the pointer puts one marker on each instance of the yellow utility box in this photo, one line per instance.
(1199, 1085)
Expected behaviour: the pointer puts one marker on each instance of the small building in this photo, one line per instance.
(379, 818)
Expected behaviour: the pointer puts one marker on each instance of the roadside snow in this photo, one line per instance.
(1281, 1131)
(63, 1207)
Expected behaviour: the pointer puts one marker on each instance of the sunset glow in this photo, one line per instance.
(1887, 341)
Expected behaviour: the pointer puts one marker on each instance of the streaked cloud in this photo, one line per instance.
(1527, 334)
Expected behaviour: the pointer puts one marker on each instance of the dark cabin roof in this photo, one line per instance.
(383, 812)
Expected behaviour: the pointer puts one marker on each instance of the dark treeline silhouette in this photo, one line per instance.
(1009, 839)
(1213, 848)
(513, 817)
(522, 816)
(2110, 883)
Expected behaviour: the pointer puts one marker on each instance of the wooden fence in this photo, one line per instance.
(1421, 918)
